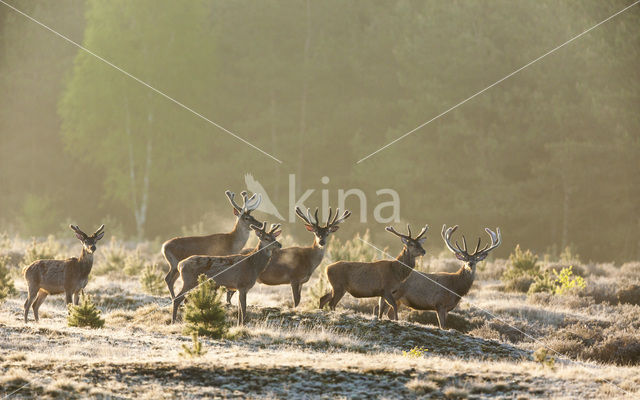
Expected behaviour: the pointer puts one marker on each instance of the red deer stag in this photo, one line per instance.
(442, 291)
(295, 265)
(238, 272)
(218, 244)
(377, 278)
(70, 276)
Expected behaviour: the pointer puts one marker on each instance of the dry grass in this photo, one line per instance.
(343, 354)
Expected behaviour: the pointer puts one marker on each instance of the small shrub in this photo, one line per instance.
(41, 251)
(134, 263)
(151, 280)
(416, 352)
(204, 313)
(196, 350)
(6, 283)
(560, 284)
(543, 357)
(85, 314)
(566, 282)
(629, 295)
(521, 284)
(521, 264)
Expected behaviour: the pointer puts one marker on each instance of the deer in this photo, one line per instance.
(238, 271)
(70, 276)
(295, 265)
(219, 244)
(375, 279)
(442, 291)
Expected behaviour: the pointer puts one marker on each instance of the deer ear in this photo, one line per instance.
(236, 212)
(460, 257)
(405, 241)
(421, 241)
(99, 236)
(276, 234)
(334, 228)
(309, 227)
(79, 236)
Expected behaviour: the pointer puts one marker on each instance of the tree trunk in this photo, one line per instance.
(139, 208)
(303, 100)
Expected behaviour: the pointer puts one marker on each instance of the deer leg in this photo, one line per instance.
(296, 288)
(442, 317)
(76, 298)
(230, 294)
(173, 273)
(68, 298)
(381, 308)
(324, 300)
(177, 300)
(388, 297)
(38, 302)
(31, 297)
(242, 306)
(336, 296)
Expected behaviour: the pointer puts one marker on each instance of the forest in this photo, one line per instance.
(550, 155)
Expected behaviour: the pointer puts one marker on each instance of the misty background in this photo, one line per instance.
(550, 155)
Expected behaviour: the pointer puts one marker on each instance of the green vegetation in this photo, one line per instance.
(204, 313)
(85, 314)
(6, 283)
(561, 283)
(134, 264)
(523, 269)
(416, 352)
(152, 280)
(545, 358)
(196, 350)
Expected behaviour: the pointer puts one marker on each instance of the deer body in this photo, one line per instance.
(442, 291)
(236, 272)
(219, 244)
(70, 276)
(295, 265)
(373, 279)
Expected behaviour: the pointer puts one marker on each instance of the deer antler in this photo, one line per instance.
(346, 214)
(496, 239)
(231, 197)
(422, 232)
(253, 202)
(99, 231)
(81, 235)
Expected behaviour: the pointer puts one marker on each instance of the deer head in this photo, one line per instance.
(88, 242)
(248, 204)
(413, 245)
(478, 254)
(322, 232)
(268, 238)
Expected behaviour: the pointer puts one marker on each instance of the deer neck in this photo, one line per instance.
(317, 250)
(85, 260)
(239, 236)
(404, 264)
(465, 277)
(260, 257)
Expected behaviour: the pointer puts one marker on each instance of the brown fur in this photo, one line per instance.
(442, 291)
(218, 244)
(241, 277)
(70, 276)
